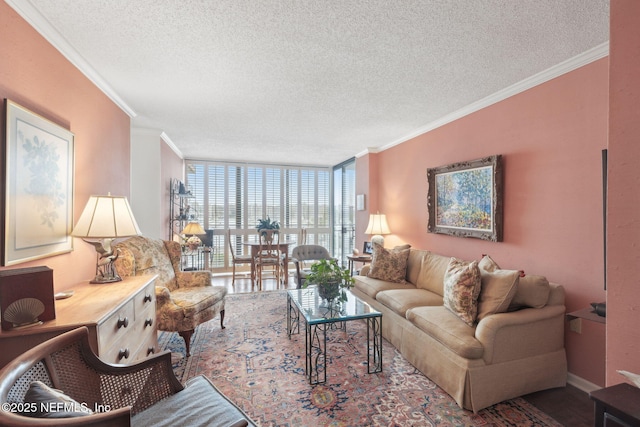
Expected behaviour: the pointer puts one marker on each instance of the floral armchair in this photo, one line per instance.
(184, 299)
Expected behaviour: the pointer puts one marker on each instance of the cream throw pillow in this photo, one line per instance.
(533, 291)
(461, 289)
(389, 265)
(497, 289)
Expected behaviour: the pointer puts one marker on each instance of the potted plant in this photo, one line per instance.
(267, 224)
(331, 279)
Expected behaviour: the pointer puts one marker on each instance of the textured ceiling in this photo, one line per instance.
(312, 81)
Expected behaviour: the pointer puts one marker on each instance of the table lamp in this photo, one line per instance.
(377, 226)
(192, 229)
(106, 218)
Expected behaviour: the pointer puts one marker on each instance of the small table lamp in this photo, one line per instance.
(106, 218)
(191, 229)
(377, 226)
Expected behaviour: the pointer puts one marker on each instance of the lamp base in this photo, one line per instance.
(105, 280)
(105, 267)
(377, 239)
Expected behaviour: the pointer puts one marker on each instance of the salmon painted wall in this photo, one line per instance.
(623, 250)
(38, 77)
(551, 138)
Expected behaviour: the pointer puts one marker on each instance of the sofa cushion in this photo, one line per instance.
(371, 286)
(432, 272)
(390, 265)
(400, 300)
(402, 247)
(497, 289)
(193, 300)
(200, 403)
(445, 327)
(461, 289)
(414, 264)
(533, 291)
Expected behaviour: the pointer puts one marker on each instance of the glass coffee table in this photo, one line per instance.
(319, 316)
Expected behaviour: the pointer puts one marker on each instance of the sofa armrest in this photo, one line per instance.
(523, 333)
(163, 295)
(193, 279)
(364, 270)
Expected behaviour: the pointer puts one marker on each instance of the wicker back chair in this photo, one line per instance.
(145, 394)
(67, 363)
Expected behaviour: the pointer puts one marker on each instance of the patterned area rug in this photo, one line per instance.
(263, 371)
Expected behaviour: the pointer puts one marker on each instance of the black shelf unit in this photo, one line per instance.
(179, 208)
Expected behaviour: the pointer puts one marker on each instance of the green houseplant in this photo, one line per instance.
(267, 224)
(332, 280)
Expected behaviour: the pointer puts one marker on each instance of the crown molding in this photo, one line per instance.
(158, 134)
(564, 67)
(34, 18)
(171, 145)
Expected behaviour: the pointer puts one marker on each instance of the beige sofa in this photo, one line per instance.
(501, 356)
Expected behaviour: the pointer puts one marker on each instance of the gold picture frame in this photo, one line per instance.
(465, 199)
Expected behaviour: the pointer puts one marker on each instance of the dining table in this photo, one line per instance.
(283, 247)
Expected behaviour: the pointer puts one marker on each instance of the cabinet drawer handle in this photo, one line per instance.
(123, 354)
(148, 322)
(147, 298)
(151, 350)
(123, 322)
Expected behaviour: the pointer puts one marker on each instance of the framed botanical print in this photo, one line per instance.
(38, 187)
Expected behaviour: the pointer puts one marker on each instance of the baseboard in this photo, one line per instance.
(581, 383)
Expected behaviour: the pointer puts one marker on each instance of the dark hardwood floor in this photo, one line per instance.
(567, 405)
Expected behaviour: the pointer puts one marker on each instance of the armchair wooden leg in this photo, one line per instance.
(186, 335)
(222, 319)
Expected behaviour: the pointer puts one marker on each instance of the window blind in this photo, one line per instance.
(235, 196)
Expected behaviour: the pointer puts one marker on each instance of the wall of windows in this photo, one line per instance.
(234, 196)
(344, 209)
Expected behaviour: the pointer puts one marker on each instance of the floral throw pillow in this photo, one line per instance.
(461, 289)
(389, 265)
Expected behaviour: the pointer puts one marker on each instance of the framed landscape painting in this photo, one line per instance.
(38, 187)
(465, 199)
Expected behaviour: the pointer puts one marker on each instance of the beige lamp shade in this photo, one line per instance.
(377, 226)
(193, 228)
(106, 217)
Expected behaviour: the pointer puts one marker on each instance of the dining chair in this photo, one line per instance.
(268, 255)
(302, 236)
(237, 259)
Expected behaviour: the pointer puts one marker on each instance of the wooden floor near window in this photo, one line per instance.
(568, 405)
